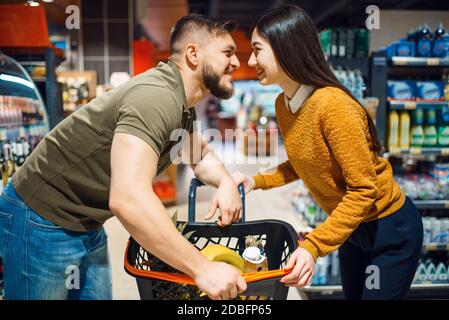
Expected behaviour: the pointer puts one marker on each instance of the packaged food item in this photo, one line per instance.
(401, 89)
(430, 90)
(254, 260)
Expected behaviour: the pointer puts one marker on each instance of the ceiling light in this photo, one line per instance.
(47, 1)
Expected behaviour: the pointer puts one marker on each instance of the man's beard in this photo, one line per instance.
(212, 82)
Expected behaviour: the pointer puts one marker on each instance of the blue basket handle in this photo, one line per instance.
(194, 184)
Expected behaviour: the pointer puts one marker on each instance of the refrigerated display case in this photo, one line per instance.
(23, 118)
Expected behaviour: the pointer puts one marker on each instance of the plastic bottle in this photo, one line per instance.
(344, 78)
(427, 231)
(323, 270)
(439, 44)
(421, 273)
(443, 128)
(436, 229)
(359, 85)
(404, 141)
(441, 273)
(445, 230)
(446, 84)
(431, 273)
(424, 48)
(352, 82)
(393, 137)
(430, 130)
(335, 268)
(417, 133)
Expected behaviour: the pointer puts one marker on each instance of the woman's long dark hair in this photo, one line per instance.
(294, 40)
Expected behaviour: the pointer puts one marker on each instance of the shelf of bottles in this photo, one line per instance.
(433, 270)
(418, 118)
(23, 119)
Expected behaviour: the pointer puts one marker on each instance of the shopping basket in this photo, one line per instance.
(158, 281)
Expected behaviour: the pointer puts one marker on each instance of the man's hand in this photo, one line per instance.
(303, 268)
(247, 181)
(227, 199)
(219, 280)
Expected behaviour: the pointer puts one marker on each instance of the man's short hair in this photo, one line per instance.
(197, 24)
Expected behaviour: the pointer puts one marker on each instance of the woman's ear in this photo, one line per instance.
(192, 54)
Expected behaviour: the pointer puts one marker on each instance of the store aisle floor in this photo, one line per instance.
(272, 204)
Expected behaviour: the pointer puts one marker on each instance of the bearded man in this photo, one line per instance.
(101, 161)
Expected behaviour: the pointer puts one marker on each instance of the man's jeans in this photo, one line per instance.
(45, 261)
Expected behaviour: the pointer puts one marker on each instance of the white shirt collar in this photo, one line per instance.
(298, 99)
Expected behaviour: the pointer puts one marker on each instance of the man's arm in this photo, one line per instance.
(206, 166)
(132, 200)
(209, 169)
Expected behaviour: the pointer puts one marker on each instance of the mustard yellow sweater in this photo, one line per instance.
(329, 147)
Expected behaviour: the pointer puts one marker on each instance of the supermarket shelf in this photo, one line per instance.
(412, 105)
(431, 204)
(435, 286)
(361, 64)
(419, 151)
(329, 289)
(325, 288)
(436, 247)
(19, 124)
(417, 61)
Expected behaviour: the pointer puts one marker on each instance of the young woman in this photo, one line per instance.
(332, 145)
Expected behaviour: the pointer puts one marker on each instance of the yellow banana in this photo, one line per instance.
(217, 252)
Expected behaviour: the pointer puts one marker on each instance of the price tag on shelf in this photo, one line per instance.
(400, 62)
(433, 61)
(445, 151)
(431, 247)
(415, 151)
(446, 204)
(410, 105)
(395, 151)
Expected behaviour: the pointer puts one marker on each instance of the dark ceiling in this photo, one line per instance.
(325, 13)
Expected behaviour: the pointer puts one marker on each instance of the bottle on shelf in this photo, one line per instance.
(417, 132)
(430, 130)
(393, 138)
(359, 85)
(439, 43)
(404, 141)
(446, 85)
(443, 129)
(424, 47)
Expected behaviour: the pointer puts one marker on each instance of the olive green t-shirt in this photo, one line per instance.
(66, 179)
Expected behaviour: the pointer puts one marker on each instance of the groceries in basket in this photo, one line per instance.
(219, 253)
(275, 239)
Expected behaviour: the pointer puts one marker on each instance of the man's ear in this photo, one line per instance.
(192, 55)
